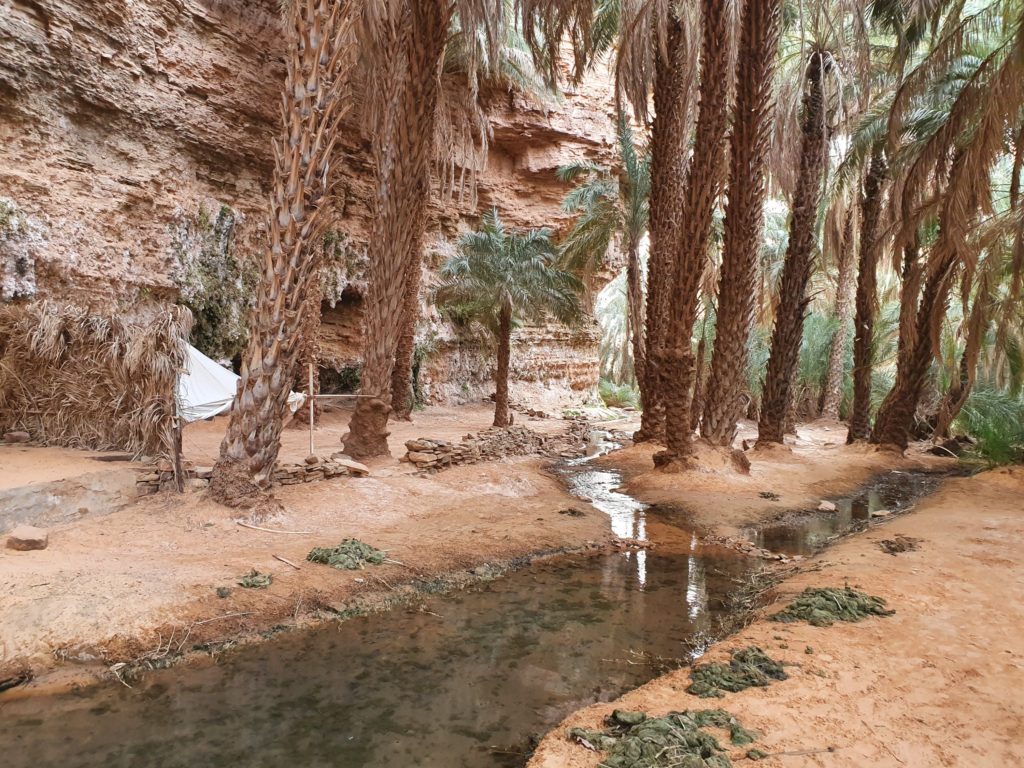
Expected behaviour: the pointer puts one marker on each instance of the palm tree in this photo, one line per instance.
(750, 141)
(404, 57)
(843, 245)
(609, 207)
(800, 253)
(499, 277)
(957, 157)
(320, 57)
(674, 357)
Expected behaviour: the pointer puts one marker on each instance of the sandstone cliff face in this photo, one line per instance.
(121, 123)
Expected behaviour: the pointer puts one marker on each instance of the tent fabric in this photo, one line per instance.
(206, 389)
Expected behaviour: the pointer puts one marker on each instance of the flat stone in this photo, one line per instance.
(197, 484)
(354, 467)
(826, 506)
(25, 538)
(417, 457)
(881, 513)
(204, 473)
(17, 437)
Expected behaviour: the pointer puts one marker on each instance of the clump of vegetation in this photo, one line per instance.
(350, 555)
(634, 740)
(619, 395)
(749, 668)
(18, 234)
(255, 580)
(900, 544)
(213, 284)
(996, 421)
(824, 606)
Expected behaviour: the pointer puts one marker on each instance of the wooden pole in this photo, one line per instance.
(312, 403)
(179, 472)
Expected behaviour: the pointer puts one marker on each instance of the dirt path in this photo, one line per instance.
(940, 683)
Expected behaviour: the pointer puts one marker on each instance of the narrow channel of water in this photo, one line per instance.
(466, 683)
(469, 681)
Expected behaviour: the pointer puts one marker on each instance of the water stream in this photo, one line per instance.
(468, 680)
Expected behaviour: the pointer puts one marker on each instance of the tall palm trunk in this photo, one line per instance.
(501, 374)
(319, 61)
(796, 272)
(750, 143)
(960, 389)
(910, 289)
(867, 288)
(635, 309)
(703, 182)
(896, 414)
(403, 145)
(401, 377)
(832, 393)
(669, 135)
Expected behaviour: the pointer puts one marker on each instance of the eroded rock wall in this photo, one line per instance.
(122, 124)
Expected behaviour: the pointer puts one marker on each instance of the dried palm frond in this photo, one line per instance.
(81, 380)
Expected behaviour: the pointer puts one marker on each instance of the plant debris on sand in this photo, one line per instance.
(350, 555)
(634, 740)
(256, 580)
(749, 668)
(900, 544)
(822, 607)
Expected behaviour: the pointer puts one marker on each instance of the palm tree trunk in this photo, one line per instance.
(403, 145)
(401, 377)
(796, 272)
(750, 143)
(320, 58)
(699, 385)
(896, 414)
(501, 374)
(867, 289)
(910, 289)
(669, 137)
(955, 398)
(832, 393)
(703, 183)
(635, 308)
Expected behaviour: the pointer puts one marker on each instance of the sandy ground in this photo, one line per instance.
(940, 683)
(112, 588)
(717, 498)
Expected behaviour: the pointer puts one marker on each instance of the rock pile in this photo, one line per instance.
(313, 469)
(496, 443)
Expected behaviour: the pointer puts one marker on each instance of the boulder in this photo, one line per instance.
(25, 538)
(419, 457)
(17, 437)
(826, 506)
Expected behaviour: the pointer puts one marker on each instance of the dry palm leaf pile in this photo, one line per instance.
(84, 380)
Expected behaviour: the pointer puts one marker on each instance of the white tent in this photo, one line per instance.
(206, 388)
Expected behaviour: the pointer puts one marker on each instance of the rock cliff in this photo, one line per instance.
(134, 151)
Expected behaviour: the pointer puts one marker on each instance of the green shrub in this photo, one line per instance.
(995, 419)
(619, 395)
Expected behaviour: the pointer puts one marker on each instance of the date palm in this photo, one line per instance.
(499, 277)
(321, 53)
(610, 207)
(750, 141)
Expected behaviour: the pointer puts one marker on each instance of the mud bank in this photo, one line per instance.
(937, 683)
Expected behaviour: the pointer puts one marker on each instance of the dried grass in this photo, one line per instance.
(81, 380)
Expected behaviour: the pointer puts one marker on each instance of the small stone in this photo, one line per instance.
(354, 467)
(203, 473)
(25, 538)
(164, 465)
(826, 506)
(312, 460)
(881, 513)
(17, 437)
(197, 484)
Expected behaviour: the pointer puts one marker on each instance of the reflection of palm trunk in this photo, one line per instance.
(832, 394)
(864, 323)
(403, 145)
(703, 182)
(796, 273)
(669, 136)
(750, 142)
(501, 374)
(313, 104)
